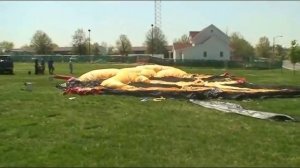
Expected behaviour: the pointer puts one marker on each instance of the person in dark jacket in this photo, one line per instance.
(36, 66)
(50, 67)
(43, 66)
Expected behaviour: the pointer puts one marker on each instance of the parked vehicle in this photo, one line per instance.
(6, 64)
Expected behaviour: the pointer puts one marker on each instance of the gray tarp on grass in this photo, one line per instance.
(235, 108)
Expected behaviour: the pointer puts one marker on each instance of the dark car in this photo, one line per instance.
(6, 64)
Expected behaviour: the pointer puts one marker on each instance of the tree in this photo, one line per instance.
(263, 48)
(183, 39)
(54, 46)
(294, 54)
(241, 48)
(6, 46)
(95, 49)
(123, 45)
(27, 49)
(41, 43)
(80, 42)
(159, 42)
(110, 50)
(279, 51)
(103, 49)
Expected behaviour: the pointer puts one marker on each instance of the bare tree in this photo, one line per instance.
(241, 47)
(6, 46)
(123, 45)
(41, 43)
(183, 39)
(279, 51)
(95, 49)
(156, 41)
(103, 49)
(80, 42)
(263, 48)
(111, 50)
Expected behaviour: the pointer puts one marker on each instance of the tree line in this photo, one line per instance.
(42, 44)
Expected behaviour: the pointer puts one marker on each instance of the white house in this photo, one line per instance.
(208, 44)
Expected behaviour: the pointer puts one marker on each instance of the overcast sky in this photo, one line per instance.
(108, 19)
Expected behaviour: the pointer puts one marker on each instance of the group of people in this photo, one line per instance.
(40, 68)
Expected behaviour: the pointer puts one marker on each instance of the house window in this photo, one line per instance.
(211, 30)
(204, 54)
(221, 54)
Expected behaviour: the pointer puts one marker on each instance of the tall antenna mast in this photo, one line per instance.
(157, 14)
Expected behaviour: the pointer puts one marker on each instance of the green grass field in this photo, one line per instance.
(45, 128)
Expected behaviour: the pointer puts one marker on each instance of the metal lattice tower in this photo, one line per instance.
(157, 14)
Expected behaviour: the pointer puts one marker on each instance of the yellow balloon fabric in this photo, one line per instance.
(148, 73)
(112, 83)
(155, 68)
(171, 72)
(120, 78)
(142, 79)
(98, 75)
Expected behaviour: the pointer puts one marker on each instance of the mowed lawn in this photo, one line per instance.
(46, 128)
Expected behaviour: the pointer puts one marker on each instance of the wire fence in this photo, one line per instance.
(254, 64)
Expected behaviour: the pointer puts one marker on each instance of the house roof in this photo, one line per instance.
(178, 46)
(22, 50)
(139, 48)
(144, 48)
(220, 30)
(198, 36)
(63, 49)
(192, 34)
(17, 49)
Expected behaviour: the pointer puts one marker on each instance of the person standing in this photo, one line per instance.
(71, 66)
(50, 67)
(43, 66)
(36, 66)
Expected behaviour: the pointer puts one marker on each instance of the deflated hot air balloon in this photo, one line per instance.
(167, 81)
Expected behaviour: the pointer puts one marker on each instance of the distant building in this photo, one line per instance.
(143, 50)
(139, 50)
(22, 51)
(30, 51)
(68, 50)
(63, 51)
(208, 44)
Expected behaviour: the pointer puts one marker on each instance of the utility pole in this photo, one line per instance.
(152, 45)
(90, 45)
